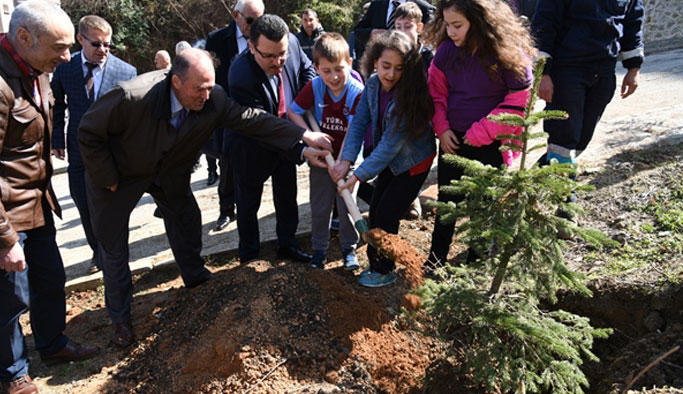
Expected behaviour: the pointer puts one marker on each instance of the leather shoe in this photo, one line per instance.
(71, 352)
(122, 334)
(22, 385)
(294, 253)
(201, 280)
(222, 222)
(213, 177)
(93, 268)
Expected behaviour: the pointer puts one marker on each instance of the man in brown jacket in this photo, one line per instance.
(30, 264)
(144, 136)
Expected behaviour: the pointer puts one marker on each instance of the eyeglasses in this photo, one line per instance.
(247, 19)
(97, 44)
(271, 56)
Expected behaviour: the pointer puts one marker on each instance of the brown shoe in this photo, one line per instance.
(71, 352)
(122, 334)
(22, 385)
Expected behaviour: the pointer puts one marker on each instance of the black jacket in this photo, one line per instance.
(376, 18)
(223, 43)
(307, 42)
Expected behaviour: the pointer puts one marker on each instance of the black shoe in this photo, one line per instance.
(213, 178)
(294, 253)
(222, 222)
(157, 213)
(93, 268)
(199, 281)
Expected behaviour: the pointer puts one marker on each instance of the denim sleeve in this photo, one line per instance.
(359, 125)
(389, 146)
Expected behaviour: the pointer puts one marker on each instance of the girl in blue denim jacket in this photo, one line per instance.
(397, 104)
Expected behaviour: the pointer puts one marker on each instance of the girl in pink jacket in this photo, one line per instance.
(482, 66)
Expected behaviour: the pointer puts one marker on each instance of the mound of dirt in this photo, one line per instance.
(269, 327)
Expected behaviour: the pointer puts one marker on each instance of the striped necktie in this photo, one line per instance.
(392, 16)
(90, 81)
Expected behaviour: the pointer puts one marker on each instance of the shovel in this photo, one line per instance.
(358, 221)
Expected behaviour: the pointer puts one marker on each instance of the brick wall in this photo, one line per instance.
(663, 25)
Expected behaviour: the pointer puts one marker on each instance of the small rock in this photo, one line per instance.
(329, 389)
(411, 302)
(332, 377)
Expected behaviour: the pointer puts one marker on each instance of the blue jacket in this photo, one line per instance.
(398, 149)
(589, 32)
(68, 86)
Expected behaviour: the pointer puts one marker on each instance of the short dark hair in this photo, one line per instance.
(309, 11)
(410, 11)
(269, 25)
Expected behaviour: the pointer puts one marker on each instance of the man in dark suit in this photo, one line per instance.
(92, 72)
(268, 76)
(31, 268)
(381, 16)
(226, 43)
(144, 136)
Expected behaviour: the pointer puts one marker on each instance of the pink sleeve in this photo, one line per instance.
(484, 131)
(438, 88)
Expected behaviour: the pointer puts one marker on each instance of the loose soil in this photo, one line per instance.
(272, 326)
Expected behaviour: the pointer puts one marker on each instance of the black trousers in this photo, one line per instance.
(392, 196)
(110, 212)
(213, 149)
(252, 166)
(443, 233)
(78, 193)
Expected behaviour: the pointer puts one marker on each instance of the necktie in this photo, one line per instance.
(392, 16)
(89, 81)
(281, 106)
(180, 118)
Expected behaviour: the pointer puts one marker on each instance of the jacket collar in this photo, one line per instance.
(161, 96)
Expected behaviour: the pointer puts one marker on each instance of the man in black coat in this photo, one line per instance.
(226, 44)
(268, 76)
(380, 16)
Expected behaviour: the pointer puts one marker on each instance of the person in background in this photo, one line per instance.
(181, 46)
(226, 43)
(92, 72)
(268, 76)
(332, 97)
(352, 38)
(162, 60)
(311, 29)
(381, 15)
(471, 77)
(31, 268)
(581, 56)
(396, 103)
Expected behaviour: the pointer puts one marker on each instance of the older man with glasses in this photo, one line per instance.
(226, 43)
(268, 76)
(91, 73)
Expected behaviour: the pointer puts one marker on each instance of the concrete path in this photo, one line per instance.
(653, 112)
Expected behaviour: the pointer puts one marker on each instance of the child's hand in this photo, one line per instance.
(349, 184)
(339, 170)
(449, 142)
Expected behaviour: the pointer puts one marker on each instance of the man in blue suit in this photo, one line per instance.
(91, 73)
(268, 76)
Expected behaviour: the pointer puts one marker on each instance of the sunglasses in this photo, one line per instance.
(97, 44)
(247, 19)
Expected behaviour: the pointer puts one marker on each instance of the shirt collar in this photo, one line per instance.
(239, 32)
(175, 104)
(84, 60)
(26, 70)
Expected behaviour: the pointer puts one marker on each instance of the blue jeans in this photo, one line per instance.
(583, 92)
(41, 285)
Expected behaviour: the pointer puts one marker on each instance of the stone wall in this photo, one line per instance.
(663, 25)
